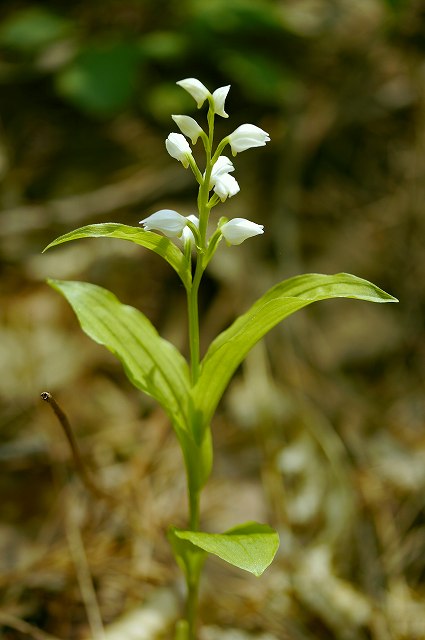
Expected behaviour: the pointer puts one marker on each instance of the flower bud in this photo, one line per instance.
(178, 148)
(169, 222)
(187, 235)
(226, 186)
(188, 126)
(247, 136)
(237, 230)
(219, 96)
(197, 90)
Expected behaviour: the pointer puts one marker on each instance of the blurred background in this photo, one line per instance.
(321, 433)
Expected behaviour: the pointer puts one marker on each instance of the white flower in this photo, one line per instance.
(188, 126)
(169, 222)
(178, 148)
(226, 186)
(247, 136)
(221, 166)
(200, 93)
(187, 235)
(197, 90)
(219, 96)
(237, 230)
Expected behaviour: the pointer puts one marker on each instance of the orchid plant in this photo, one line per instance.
(190, 391)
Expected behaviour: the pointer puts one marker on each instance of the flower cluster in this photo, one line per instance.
(216, 177)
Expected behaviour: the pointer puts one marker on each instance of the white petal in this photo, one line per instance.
(188, 126)
(187, 235)
(226, 186)
(197, 90)
(178, 148)
(239, 229)
(169, 222)
(219, 98)
(247, 136)
(221, 166)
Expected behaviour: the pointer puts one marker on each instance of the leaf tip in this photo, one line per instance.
(47, 247)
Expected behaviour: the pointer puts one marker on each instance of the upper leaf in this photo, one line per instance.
(250, 546)
(229, 349)
(153, 241)
(152, 364)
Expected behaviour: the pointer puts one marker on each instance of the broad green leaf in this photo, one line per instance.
(229, 349)
(250, 546)
(153, 241)
(151, 363)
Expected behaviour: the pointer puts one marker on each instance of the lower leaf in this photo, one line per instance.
(250, 546)
(151, 363)
(189, 557)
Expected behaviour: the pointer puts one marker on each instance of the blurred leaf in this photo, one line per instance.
(163, 45)
(32, 29)
(166, 98)
(102, 78)
(250, 546)
(229, 349)
(151, 363)
(261, 78)
(396, 4)
(239, 15)
(153, 241)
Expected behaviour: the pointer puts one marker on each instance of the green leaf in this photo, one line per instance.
(151, 363)
(153, 241)
(261, 78)
(229, 349)
(102, 78)
(250, 546)
(31, 29)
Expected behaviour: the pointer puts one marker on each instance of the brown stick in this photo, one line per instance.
(28, 630)
(80, 467)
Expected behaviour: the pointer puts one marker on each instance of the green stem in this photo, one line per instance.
(193, 319)
(193, 575)
(194, 510)
(204, 189)
(192, 608)
(194, 567)
(193, 571)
